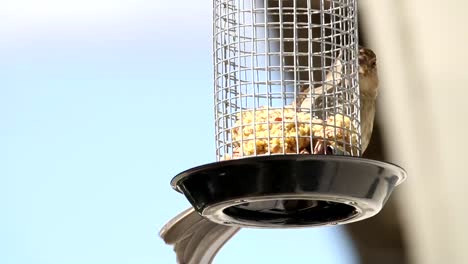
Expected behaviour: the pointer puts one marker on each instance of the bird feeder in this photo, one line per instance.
(287, 119)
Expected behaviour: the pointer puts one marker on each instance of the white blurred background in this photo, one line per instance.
(422, 47)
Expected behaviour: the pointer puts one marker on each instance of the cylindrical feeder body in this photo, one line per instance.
(286, 77)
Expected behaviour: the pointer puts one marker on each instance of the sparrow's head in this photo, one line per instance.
(367, 61)
(368, 78)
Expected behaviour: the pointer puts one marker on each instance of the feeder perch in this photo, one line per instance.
(269, 57)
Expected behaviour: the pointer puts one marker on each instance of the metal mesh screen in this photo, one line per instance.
(286, 77)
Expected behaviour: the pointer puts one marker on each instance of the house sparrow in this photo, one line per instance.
(196, 240)
(368, 89)
(368, 85)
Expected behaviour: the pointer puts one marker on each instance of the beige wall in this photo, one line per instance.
(423, 58)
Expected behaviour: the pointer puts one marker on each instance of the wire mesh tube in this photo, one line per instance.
(285, 77)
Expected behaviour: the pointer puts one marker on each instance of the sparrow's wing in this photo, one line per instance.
(196, 240)
(333, 76)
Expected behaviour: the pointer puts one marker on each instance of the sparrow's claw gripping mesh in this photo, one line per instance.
(286, 77)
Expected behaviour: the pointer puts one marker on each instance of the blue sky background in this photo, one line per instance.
(101, 103)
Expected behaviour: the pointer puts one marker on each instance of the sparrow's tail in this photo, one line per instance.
(196, 240)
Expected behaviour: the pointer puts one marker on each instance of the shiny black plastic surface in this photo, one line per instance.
(289, 190)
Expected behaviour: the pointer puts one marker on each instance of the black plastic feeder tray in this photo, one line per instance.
(288, 191)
